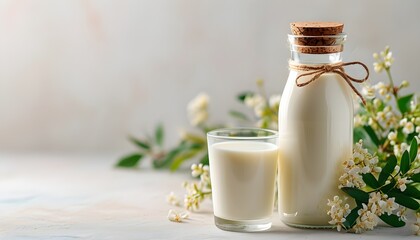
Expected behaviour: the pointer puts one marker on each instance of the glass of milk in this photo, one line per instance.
(243, 165)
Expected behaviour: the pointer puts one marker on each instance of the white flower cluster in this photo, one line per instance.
(381, 116)
(408, 126)
(367, 220)
(256, 102)
(362, 162)
(199, 170)
(386, 118)
(384, 60)
(378, 204)
(338, 212)
(196, 192)
(197, 109)
(265, 110)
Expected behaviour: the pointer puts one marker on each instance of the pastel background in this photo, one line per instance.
(79, 76)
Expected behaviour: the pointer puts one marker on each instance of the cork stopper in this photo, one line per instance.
(316, 28)
(317, 37)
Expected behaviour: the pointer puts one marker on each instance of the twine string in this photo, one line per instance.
(338, 68)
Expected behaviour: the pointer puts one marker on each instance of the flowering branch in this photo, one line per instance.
(383, 185)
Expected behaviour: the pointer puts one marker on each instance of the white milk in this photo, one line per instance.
(315, 127)
(243, 177)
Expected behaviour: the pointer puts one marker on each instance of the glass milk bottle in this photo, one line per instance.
(315, 125)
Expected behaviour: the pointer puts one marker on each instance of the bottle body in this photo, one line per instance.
(316, 136)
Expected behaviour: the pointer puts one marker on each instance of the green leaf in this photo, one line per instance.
(405, 162)
(195, 138)
(351, 218)
(412, 191)
(139, 143)
(169, 157)
(241, 97)
(205, 159)
(404, 103)
(413, 150)
(372, 135)
(159, 134)
(389, 186)
(370, 180)
(166, 160)
(387, 170)
(239, 115)
(400, 135)
(404, 200)
(360, 133)
(392, 220)
(182, 157)
(356, 194)
(416, 177)
(130, 160)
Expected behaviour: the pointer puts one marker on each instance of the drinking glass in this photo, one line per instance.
(243, 165)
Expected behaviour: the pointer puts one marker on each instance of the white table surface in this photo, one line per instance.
(48, 196)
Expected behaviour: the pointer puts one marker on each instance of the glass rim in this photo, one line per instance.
(213, 133)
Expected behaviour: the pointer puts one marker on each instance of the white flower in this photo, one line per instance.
(390, 206)
(197, 109)
(377, 102)
(378, 67)
(371, 122)
(389, 116)
(172, 199)
(402, 214)
(365, 169)
(274, 101)
(254, 100)
(397, 150)
(259, 109)
(380, 116)
(382, 88)
(197, 170)
(408, 128)
(403, 122)
(199, 118)
(177, 216)
(368, 92)
(404, 146)
(388, 60)
(358, 121)
(199, 103)
(375, 203)
(401, 183)
(418, 129)
(392, 136)
(417, 121)
(405, 83)
(416, 225)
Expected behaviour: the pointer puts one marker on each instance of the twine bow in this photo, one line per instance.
(338, 68)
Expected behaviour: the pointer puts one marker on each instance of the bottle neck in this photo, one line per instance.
(305, 58)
